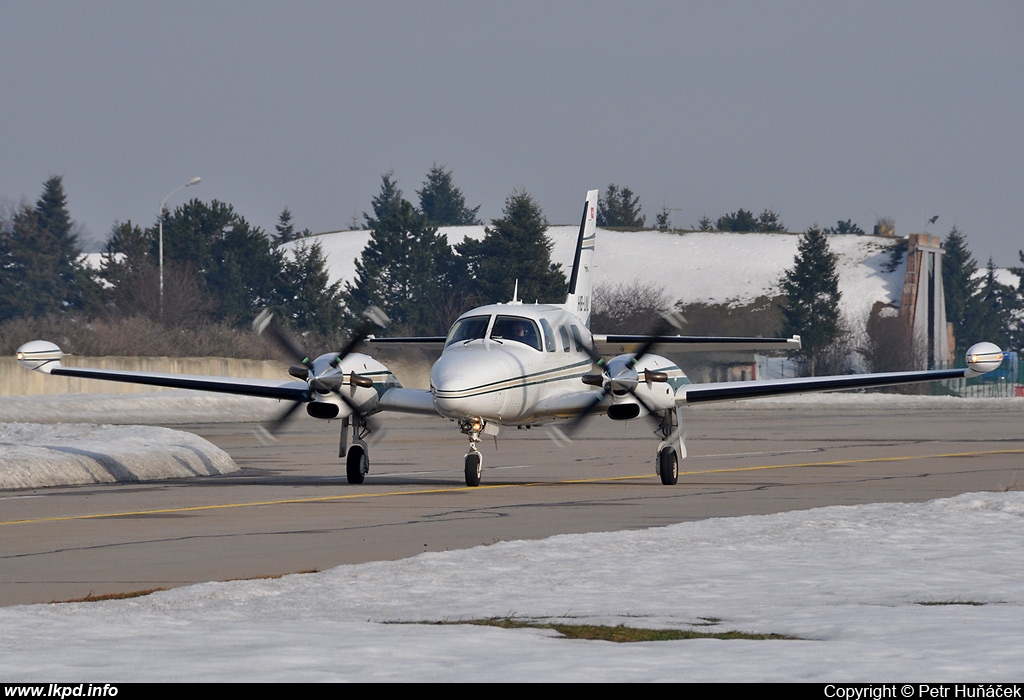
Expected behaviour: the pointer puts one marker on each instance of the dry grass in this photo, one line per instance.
(619, 634)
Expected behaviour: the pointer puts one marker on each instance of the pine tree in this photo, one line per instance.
(234, 263)
(620, 207)
(442, 202)
(514, 248)
(40, 261)
(129, 272)
(1016, 322)
(845, 227)
(740, 221)
(996, 308)
(662, 219)
(770, 222)
(286, 229)
(406, 269)
(311, 302)
(811, 289)
(962, 288)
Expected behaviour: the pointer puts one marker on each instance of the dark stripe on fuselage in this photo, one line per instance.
(544, 377)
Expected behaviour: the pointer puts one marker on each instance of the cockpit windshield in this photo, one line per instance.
(521, 330)
(466, 329)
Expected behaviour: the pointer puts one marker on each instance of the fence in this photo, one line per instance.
(1006, 381)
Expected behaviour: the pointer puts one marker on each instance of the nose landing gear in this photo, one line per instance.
(472, 427)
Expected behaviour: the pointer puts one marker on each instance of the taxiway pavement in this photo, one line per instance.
(290, 508)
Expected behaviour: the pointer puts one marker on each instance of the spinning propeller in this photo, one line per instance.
(321, 377)
(619, 376)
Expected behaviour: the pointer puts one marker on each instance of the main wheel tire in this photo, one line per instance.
(474, 468)
(668, 466)
(357, 463)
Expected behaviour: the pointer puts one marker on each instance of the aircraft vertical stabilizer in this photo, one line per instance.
(580, 282)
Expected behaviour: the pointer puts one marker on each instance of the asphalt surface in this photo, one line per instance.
(291, 509)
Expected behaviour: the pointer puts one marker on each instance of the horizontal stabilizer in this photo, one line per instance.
(618, 344)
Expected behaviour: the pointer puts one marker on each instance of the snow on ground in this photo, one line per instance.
(174, 407)
(61, 440)
(715, 268)
(34, 455)
(878, 592)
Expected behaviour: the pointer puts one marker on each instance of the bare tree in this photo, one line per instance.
(888, 345)
(627, 308)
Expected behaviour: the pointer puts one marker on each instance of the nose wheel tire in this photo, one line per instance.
(474, 468)
(357, 464)
(668, 466)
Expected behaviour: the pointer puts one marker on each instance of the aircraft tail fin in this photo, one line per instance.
(580, 284)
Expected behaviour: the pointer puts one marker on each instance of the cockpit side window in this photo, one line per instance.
(466, 329)
(549, 335)
(521, 330)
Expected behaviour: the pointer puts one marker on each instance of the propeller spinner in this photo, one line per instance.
(322, 377)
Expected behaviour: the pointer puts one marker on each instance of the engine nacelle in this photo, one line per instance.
(358, 378)
(654, 380)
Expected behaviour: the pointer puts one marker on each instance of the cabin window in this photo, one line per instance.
(466, 329)
(579, 341)
(565, 338)
(549, 335)
(521, 330)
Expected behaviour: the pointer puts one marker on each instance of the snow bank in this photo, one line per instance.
(33, 455)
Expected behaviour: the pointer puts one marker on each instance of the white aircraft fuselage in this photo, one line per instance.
(516, 364)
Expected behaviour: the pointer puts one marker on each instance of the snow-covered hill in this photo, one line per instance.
(731, 268)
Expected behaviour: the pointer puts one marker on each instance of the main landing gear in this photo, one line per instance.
(668, 465)
(671, 448)
(357, 456)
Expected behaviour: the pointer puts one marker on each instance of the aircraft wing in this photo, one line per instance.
(737, 391)
(45, 357)
(263, 388)
(402, 400)
(615, 344)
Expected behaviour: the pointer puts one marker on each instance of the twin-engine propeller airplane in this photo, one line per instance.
(514, 364)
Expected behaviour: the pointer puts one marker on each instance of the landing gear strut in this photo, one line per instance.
(671, 448)
(357, 457)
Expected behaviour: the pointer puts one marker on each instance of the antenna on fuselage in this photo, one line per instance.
(515, 294)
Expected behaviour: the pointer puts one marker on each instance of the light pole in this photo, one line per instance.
(160, 215)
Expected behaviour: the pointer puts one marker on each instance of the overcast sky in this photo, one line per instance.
(820, 111)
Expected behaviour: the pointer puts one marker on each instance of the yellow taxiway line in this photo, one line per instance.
(456, 489)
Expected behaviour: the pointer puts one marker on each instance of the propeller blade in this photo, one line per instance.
(573, 426)
(265, 322)
(268, 433)
(375, 318)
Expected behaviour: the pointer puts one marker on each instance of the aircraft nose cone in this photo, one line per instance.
(470, 382)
